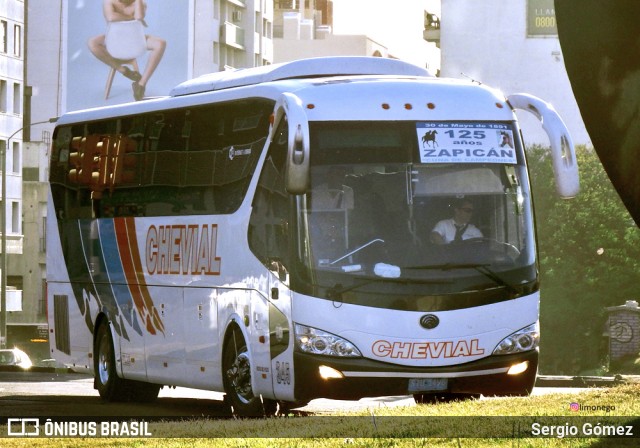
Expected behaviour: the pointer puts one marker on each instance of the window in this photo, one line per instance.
(15, 217)
(17, 40)
(190, 161)
(3, 36)
(17, 99)
(216, 53)
(42, 300)
(3, 95)
(269, 223)
(43, 232)
(15, 158)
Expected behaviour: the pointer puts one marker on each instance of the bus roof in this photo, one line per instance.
(303, 68)
(378, 88)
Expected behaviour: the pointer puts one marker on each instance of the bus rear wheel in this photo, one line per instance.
(110, 386)
(236, 374)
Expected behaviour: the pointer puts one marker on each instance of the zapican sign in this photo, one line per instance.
(463, 142)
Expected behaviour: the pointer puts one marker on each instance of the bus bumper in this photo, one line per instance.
(368, 378)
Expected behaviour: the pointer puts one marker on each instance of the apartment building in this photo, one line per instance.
(400, 29)
(11, 112)
(23, 149)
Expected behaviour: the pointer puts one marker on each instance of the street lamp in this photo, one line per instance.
(3, 228)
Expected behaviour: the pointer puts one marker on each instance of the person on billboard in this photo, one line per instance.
(125, 40)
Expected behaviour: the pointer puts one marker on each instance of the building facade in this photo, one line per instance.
(316, 28)
(201, 36)
(512, 46)
(12, 26)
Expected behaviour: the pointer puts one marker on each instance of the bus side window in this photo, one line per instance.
(268, 226)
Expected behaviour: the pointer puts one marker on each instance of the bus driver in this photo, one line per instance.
(457, 228)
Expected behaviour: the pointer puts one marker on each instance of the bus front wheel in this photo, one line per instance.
(236, 373)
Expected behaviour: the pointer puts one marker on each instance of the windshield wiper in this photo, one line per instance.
(481, 268)
(377, 240)
(446, 266)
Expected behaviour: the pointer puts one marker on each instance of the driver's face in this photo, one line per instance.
(463, 213)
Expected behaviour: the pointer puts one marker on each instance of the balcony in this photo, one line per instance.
(431, 32)
(431, 35)
(232, 35)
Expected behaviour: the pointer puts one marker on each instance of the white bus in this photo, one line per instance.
(267, 233)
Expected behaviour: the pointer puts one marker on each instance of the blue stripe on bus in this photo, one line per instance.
(115, 271)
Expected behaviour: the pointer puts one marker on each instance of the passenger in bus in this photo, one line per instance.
(121, 11)
(458, 228)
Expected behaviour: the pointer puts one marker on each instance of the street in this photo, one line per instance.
(39, 394)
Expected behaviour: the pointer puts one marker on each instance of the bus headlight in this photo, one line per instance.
(520, 341)
(318, 342)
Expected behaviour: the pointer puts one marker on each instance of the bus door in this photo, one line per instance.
(269, 236)
(280, 336)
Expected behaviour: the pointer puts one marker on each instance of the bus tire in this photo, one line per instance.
(142, 392)
(109, 385)
(236, 377)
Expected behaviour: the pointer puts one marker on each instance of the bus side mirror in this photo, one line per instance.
(565, 166)
(290, 108)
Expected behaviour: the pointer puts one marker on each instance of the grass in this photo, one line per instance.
(442, 424)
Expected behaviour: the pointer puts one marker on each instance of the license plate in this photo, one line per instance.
(427, 384)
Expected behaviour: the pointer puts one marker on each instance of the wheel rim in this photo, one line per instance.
(104, 360)
(239, 375)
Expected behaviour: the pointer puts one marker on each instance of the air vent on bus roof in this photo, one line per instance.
(303, 68)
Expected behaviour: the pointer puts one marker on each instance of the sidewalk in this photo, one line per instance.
(584, 381)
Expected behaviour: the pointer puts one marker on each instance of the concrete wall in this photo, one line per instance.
(487, 41)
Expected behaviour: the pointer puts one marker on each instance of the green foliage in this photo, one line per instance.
(589, 249)
(423, 425)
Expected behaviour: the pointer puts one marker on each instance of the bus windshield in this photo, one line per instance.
(385, 226)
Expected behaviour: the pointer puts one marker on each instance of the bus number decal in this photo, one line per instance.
(283, 372)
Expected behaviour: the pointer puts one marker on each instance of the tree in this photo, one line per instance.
(589, 250)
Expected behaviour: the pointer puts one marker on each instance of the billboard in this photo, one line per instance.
(541, 18)
(152, 53)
